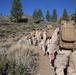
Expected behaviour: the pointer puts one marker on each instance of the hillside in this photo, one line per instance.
(70, 16)
(13, 30)
(11, 33)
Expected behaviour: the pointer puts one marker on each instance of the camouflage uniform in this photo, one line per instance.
(72, 64)
(38, 36)
(62, 58)
(42, 45)
(34, 40)
(48, 44)
(44, 36)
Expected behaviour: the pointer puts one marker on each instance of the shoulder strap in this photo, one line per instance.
(69, 60)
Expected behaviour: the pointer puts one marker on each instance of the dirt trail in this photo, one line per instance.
(44, 64)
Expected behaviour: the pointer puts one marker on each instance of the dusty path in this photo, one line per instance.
(44, 64)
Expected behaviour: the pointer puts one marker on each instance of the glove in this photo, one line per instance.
(52, 56)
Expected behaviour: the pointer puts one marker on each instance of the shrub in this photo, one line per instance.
(32, 27)
(18, 62)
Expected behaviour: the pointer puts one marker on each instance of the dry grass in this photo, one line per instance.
(22, 56)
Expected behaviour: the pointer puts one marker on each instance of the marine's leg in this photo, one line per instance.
(61, 61)
(72, 64)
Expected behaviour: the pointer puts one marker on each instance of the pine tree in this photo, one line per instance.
(65, 15)
(60, 19)
(16, 10)
(74, 17)
(35, 15)
(54, 16)
(48, 17)
(39, 14)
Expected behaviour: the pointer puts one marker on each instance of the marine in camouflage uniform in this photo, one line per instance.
(62, 57)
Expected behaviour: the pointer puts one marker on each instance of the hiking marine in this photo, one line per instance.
(64, 42)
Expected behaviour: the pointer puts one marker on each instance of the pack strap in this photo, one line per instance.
(69, 60)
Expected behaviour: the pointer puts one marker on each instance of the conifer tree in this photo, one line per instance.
(60, 19)
(16, 10)
(54, 16)
(35, 15)
(48, 17)
(65, 15)
(39, 14)
(74, 17)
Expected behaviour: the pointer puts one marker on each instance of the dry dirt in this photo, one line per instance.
(44, 64)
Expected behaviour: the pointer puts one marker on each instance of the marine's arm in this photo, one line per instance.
(54, 41)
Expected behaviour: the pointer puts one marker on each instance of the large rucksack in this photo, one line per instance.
(50, 30)
(67, 35)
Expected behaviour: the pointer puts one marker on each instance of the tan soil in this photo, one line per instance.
(44, 64)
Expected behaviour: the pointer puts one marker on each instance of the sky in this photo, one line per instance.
(28, 6)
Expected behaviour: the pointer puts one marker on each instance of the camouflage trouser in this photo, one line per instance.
(30, 41)
(72, 65)
(61, 61)
(34, 40)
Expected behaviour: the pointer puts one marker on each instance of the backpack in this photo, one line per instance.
(67, 35)
(49, 33)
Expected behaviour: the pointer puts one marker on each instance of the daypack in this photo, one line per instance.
(67, 35)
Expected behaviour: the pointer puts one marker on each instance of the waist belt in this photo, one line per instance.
(65, 49)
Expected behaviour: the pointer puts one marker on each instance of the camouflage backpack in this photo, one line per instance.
(67, 37)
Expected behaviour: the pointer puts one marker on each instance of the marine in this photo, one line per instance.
(65, 47)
